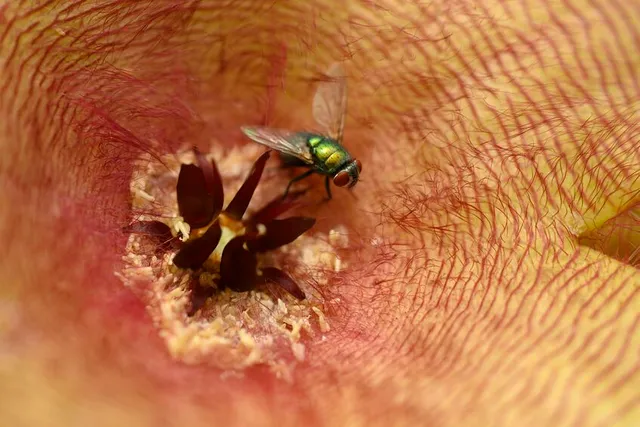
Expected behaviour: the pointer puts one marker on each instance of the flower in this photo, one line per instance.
(494, 137)
(200, 197)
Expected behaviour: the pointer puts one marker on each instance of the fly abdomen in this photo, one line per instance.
(335, 160)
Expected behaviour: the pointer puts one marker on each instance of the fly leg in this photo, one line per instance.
(296, 179)
(327, 185)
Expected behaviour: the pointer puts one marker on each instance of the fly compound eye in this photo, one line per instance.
(342, 179)
(358, 165)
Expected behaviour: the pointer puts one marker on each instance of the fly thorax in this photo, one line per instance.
(328, 152)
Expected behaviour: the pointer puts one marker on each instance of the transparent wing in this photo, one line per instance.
(285, 141)
(330, 102)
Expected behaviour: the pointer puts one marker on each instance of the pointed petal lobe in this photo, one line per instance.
(195, 252)
(213, 180)
(194, 202)
(272, 276)
(151, 228)
(199, 296)
(238, 205)
(158, 231)
(275, 208)
(281, 232)
(238, 266)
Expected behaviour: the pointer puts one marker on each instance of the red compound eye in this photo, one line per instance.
(358, 165)
(341, 179)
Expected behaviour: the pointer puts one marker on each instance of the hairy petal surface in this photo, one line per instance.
(499, 142)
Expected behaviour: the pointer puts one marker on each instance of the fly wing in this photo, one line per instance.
(330, 102)
(285, 141)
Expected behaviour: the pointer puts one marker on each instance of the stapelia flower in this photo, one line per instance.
(492, 275)
(200, 195)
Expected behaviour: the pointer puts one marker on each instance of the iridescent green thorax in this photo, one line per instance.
(328, 155)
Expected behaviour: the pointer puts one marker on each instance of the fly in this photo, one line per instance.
(321, 153)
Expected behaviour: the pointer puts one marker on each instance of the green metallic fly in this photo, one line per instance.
(323, 154)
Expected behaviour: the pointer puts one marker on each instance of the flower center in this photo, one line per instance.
(232, 330)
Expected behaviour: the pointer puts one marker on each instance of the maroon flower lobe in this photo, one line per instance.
(213, 181)
(195, 252)
(158, 231)
(151, 228)
(281, 232)
(199, 296)
(195, 203)
(238, 205)
(238, 266)
(273, 276)
(275, 208)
